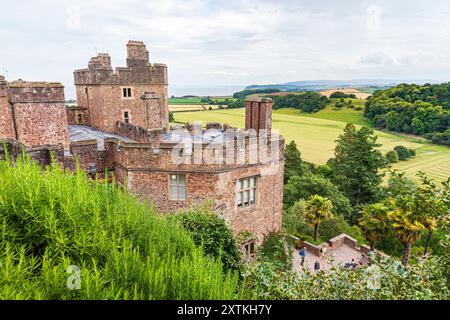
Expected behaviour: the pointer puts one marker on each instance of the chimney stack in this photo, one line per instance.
(258, 114)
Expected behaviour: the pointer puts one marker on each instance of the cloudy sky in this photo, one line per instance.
(217, 43)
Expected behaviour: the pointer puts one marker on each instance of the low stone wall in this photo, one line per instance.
(10, 147)
(88, 156)
(133, 132)
(336, 242)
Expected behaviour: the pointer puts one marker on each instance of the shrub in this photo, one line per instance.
(340, 94)
(294, 219)
(211, 232)
(402, 152)
(275, 249)
(424, 280)
(392, 156)
(331, 228)
(171, 117)
(52, 220)
(412, 152)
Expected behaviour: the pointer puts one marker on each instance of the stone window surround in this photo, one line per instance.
(79, 118)
(252, 205)
(170, 184)
(128, 94)
(129, 115)
(248, 248)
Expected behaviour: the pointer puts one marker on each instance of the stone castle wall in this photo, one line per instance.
(106, 104)
(38, 112)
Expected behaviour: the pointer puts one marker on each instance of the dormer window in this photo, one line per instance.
(126, 92)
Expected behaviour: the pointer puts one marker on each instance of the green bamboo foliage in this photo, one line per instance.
(50, 220)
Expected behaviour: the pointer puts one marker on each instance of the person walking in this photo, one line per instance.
(302, 254)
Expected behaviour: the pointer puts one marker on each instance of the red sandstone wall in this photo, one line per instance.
(6, 123)
(260, 219)
(41, 123)
(263, 217)
(154, 186)
(106, 104)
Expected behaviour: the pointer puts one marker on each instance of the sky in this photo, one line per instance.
(231, 43)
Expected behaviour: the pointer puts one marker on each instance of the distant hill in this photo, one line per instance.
(314, 85)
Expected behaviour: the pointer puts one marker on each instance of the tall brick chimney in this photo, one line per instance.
(155, 111)
(258, 114)
(137, 54)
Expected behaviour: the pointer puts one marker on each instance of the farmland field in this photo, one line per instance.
(315, 135)
(358, 93)
(191, 107)
(189, 101)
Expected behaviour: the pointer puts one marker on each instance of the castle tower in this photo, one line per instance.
(38, 113)
(113, 96)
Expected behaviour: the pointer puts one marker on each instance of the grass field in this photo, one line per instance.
(191, 107)
(315, 135)
(196, 100)
(189, 101)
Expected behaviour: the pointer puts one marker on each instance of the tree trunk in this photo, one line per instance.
(372, 246)
(316, 231)
(427, 243)
(406, 251)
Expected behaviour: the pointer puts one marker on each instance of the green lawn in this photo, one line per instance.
(185, 101)
(315, 135)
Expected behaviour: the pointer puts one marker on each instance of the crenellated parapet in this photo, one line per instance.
(24, 91)
(139, 70)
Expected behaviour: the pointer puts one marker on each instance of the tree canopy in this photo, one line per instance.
(411, 108)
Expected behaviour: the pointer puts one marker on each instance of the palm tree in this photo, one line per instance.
(407, 223)
(317, 209)
(430, 224)
(373, 223)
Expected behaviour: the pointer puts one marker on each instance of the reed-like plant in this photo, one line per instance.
(52, 219)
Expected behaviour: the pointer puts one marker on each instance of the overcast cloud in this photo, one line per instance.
(231, 42)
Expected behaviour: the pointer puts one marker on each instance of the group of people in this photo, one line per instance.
(351, 264)
(302, 252)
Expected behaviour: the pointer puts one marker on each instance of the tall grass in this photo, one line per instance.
(51, 219)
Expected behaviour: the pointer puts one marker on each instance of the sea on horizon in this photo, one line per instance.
(179, 91)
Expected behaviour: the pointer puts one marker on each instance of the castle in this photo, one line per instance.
(120, 125)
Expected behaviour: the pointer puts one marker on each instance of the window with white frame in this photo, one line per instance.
(246, 191)
(249, 249)
(177, 186)
(126, 116)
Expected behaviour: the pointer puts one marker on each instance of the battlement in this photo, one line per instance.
(26, 91)
(101, 61)
(137, 54)
(139, 70)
